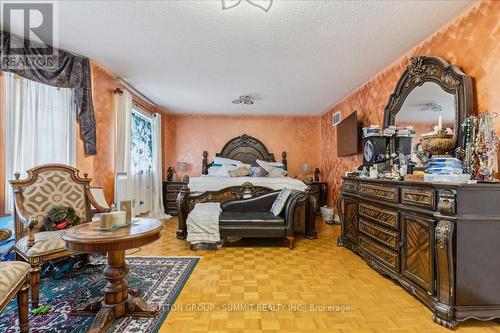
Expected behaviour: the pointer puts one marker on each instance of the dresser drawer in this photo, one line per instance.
(350, 186)
(172, 196)
(379, 191)
(418, 197)
(171, 205)
(383, 235)
(380, 252)
(380, 215)
(174, 187)
(313, 189)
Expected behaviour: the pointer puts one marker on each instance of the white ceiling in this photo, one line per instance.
(299, 58)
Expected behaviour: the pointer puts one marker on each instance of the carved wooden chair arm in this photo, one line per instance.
(29, 222)
(94, 203)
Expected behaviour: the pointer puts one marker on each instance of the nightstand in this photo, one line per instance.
(170, 192)
(318, 190)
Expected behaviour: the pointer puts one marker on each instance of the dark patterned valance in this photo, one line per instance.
(66, 71)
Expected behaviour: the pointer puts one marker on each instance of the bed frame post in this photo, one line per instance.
(182, 209)
(284, 161)
(204, 163)
(311, 203)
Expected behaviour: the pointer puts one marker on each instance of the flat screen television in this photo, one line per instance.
(348, 136)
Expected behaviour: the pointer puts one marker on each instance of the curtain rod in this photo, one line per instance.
(135, 92)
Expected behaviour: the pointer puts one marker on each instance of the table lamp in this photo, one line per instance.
(305, 169)
(181, 169)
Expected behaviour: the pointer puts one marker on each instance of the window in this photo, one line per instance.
(141, 143)
(142, 160)
(40, 128)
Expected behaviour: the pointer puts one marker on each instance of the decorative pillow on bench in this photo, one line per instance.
(280, 201)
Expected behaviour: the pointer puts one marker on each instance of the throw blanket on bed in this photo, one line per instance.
(203, 223)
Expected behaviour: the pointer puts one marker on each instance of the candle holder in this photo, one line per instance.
(126, 206)
(438, 144)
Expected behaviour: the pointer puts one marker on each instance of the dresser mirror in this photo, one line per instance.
(430, 91)
(424, 107)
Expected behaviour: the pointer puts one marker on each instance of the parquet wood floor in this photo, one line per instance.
(316, 272)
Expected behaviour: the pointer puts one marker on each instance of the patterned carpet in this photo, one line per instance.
(160, 278)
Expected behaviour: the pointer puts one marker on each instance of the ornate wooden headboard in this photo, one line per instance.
(246, 149)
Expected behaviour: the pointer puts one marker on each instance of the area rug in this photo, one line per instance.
(160, 279)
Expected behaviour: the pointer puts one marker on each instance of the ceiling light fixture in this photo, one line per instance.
(245, 99)
(265, 5)
(432, 106)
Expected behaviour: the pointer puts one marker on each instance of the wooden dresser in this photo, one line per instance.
(440, 241)
(170, 192)
(318, 191)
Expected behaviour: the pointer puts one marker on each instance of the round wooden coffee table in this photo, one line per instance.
(117, 301)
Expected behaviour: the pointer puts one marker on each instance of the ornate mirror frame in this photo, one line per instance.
(433, 69)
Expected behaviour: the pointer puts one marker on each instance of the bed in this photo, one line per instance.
(246, 149)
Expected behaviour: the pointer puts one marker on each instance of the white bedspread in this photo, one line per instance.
(210, 183)
(203, 223)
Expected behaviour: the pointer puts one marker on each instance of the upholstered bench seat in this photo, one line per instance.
(46, 242)
(254, 219)
(12, 275)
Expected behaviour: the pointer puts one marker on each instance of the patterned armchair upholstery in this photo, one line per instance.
(14, 281)
(45, 187)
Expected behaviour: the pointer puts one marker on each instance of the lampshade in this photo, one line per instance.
(182, 167)
(306, 167)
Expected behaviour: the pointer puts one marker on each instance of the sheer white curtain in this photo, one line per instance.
(40, 128)
(157, 209)
(138, 158)
(123, 116)
(142, 161)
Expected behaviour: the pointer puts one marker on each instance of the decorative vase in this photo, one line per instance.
(438, 144)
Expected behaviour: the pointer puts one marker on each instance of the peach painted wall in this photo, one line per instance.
(100, 167)
(187, 136)
(472, 41)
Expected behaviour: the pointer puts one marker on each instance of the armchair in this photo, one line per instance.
(14, 281)
(46, 186)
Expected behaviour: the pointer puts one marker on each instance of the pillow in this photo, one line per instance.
(239, 172)
(221, 171)
(277, 164)
(257, 172)
(222, 160)
(280, 201)
(273, 169)
(276, 172)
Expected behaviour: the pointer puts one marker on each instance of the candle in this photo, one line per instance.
(106, 222)
(440, 122)
(119, 218)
